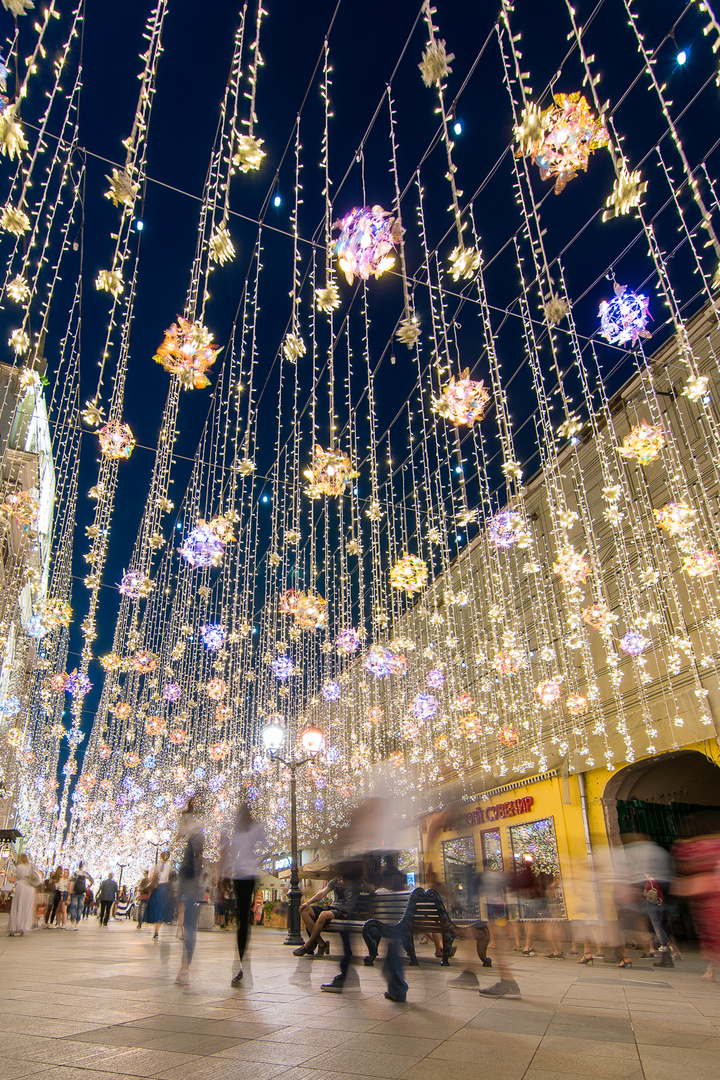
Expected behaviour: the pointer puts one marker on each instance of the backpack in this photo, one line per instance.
(652, 895)
(80, 884)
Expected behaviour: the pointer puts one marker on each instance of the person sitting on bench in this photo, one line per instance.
(346, 887)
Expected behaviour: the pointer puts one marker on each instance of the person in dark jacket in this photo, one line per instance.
(107, 895)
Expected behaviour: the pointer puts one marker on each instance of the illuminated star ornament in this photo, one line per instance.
(110, 281)
(627, 192)
(12, 140)
(633, 643)
(548, 691)
(409, 573)
(77, 685)
(599, 617)
(367, 236)
(561, 139)
(701, 564)
(623, 320)
(123, 190)
(675, 518)
(348, 641)
(643, 443)
(576, 704)
(220, 245)
(14, 220)
(144, 662)
(509, 661)
(187, 351)
(330, 473)
(571, 567)
(310, 611)
(463, 401)
(172, 692)
(116, 440)
(248, 153)
(23, 506)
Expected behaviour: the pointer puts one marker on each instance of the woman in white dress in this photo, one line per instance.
(23, 901)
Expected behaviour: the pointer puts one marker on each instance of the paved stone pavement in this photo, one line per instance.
(102, 1003)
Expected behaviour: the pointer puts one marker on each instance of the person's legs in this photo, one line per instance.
(105, 906)
(192, 908)
(655, 914)
(75, 901)
(244, 889)
(393, 972)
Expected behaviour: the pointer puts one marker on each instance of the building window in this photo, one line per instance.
(534, 846)
(492, 850)
(460, 874)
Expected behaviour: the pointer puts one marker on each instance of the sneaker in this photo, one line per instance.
(334, 987)
(238, 978)
(504, 988)
(529, 952)
(390, 997)
(467, 980)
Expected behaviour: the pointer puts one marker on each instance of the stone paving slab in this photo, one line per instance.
(105, 1005)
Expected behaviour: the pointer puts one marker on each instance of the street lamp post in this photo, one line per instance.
(122, 866)
(312, 740)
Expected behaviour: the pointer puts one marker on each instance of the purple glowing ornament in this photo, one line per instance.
(331, 691)
(213, 635)
(624, 318)
(319, 804)
(202, 547)
(378, 661)
(634, 643)
(172, 691)
(367, 236)
(506, 528)
(435, 679)
(348, 641)
(78, 685)
(282, 667)
(425, 706)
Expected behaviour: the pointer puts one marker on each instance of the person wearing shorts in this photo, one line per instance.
(346, 892)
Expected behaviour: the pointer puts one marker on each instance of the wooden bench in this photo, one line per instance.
(400, 916)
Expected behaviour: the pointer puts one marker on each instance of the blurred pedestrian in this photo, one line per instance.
(190, 884)
(698, 864)
(64, 890)
(89, 903)
(22, 907)
(160, 906)
(240, 862)
(51, 910)
(143, 895)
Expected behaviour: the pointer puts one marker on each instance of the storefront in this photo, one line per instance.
(537, 822)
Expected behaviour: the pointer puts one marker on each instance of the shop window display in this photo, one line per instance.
(492, 850)
(460, 874)
(534, 848)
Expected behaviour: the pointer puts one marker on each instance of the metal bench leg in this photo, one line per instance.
(448, 938)
(371, 936)
(408, 941)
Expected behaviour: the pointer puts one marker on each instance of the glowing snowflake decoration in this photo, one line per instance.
(599, 617)
(644, 443)
(463, 702)
(187, 351)
(375, 714)
(36, 628)
(14, 220)
(624, 318)
(19, 290)
(408, 332)
(634, 643)
(675, 518)
(507, 736)
(248, 153)
(177, 737)
(509, 661)
(695, 389)
(410, 574)
(435, 64)
(425, 706)
(282, 667)
(565, 135)
(10, 707)
(348, 641)
(548, 691)
(19, 342)
(144, 661)
(531, 130)
(58, 682)
(327, 300)
(435, 679)
(116, 440)
(367, 236)
(213, 636)
(12, 140)
(571, 567)
(135, 585)
(172, 691)
(507, 528)
(216, 689)
(24, 506)
(293, 347)
(202, 547)
(111, 661)
(331, 691)
(77, 685)
(463, 401)
(310, 611)
(576, 704)
(220, 245)
(55, 612)
(378, 661)
(465, 262)
(123, 190)
(110, 281)
(627, 192)
(700, 564)
(330, 473)
(556, 308)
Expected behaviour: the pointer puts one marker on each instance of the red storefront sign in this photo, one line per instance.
(494, 813)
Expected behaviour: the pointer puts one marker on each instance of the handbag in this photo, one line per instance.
(35, 878)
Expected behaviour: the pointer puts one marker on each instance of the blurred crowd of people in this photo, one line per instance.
(625, 897)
